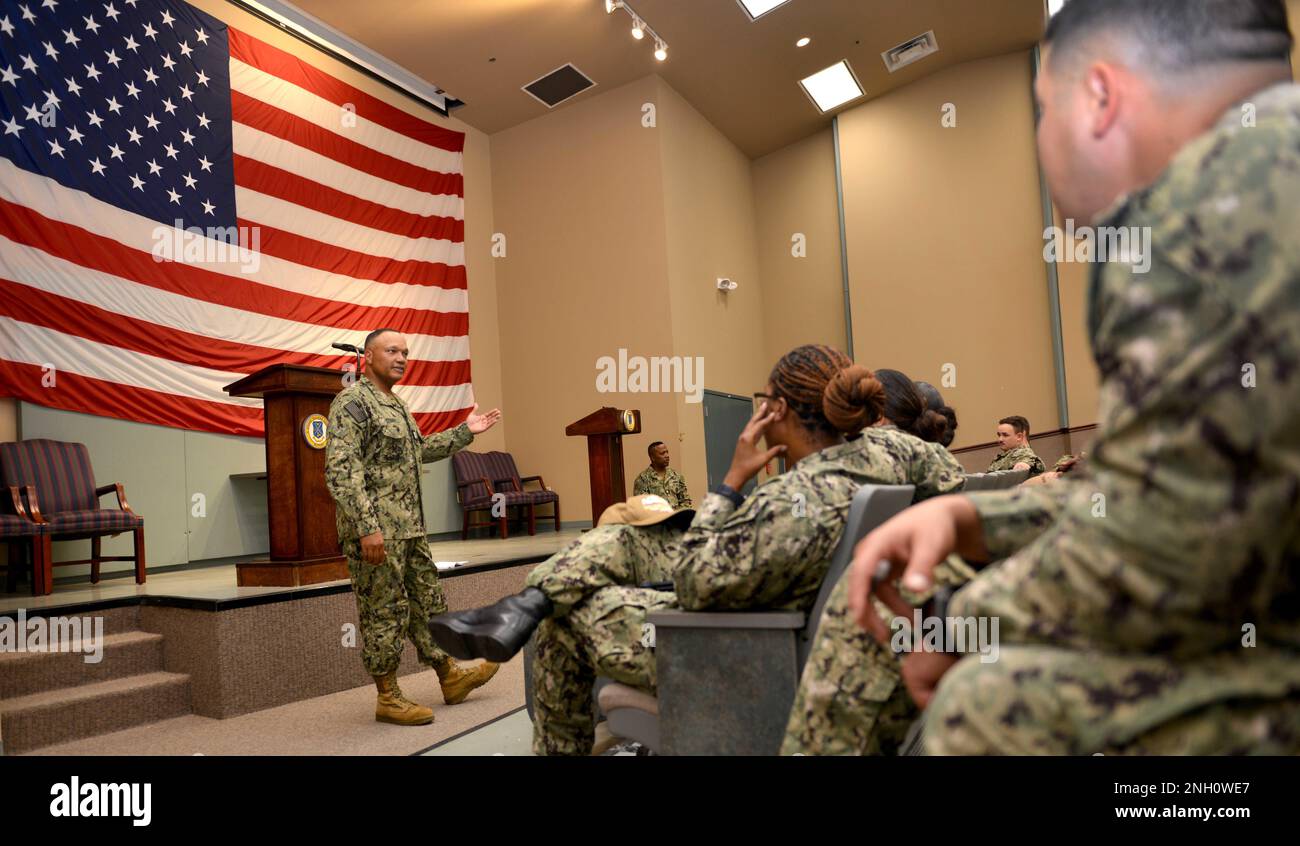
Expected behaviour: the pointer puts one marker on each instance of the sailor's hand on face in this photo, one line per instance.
(750, 457)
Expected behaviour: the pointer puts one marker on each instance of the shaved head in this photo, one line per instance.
(1168, 38)
(374, 336)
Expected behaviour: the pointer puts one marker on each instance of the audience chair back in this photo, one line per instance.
(872, 506)
(1013, 478)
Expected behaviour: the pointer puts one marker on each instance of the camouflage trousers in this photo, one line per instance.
(604, 636)
(395, 600)
(1052, 701)
(851, 699)
(598, 627)
(607, 556)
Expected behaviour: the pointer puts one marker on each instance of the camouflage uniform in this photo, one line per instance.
(1020, 455)
(1063, 460)
(372, 469)
(851, 700)
(771, 553)
(1129, 597)
(671, 486)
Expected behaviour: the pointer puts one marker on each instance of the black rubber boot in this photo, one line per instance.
(495, 632)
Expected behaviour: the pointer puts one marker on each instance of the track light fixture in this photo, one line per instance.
(639, 27)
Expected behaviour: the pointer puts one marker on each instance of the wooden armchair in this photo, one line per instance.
(23, 536)
(68, 506)
(512, 485)
(485, 478)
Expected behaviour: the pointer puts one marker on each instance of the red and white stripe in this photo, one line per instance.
(359, 227)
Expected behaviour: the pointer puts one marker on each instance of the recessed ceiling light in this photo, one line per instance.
(803, 42)
(832, 87)
(757, 8)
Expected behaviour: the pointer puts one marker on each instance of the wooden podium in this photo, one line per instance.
(304, 538)
(604, 430)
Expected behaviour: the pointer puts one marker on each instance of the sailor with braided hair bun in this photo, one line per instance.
(851, 700)
(768, 551)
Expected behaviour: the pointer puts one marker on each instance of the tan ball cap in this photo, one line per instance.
(645, 510)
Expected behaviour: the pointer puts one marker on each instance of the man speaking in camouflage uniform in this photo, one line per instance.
(1016, 454)
(1150, 606)
(372, 469)
(661, 480)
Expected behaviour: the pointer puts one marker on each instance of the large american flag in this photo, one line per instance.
(138, 136)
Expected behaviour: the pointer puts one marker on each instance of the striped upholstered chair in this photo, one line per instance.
(61, 495)
(506, 478)
(474, 489)
(485, 478)
(23, 536)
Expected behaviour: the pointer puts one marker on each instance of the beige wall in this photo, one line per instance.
(1293, 10)
(8, 419)
(616, 233)
(579, 196)
(803, 297)
(709, 217)
(944, 227)
(1082, 380)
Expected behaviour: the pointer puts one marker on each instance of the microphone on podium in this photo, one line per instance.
(356, 371)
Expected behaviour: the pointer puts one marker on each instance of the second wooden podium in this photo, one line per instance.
(604, 430)
(304, 538)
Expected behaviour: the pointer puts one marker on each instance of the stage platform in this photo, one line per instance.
(215, 583)
(189, 642)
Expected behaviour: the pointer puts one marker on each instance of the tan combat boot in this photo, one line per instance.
(459, 679)
(393, 707)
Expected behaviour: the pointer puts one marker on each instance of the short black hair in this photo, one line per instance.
(929, 393)
(375, 334)
(950, 431)
(650, 449)
(1015, 421)
(1176, 36)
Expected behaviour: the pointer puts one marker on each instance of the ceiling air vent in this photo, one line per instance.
(910, 51)
(559, 85)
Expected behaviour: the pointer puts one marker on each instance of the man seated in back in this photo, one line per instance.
(1013, 437)
(661, 479)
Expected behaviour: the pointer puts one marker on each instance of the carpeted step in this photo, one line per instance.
(115, 620)
(40, 719)
(120, 655)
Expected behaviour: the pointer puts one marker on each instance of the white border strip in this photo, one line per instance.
(316, 30)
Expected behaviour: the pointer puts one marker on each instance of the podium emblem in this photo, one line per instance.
(314, 430)
(629, 420)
